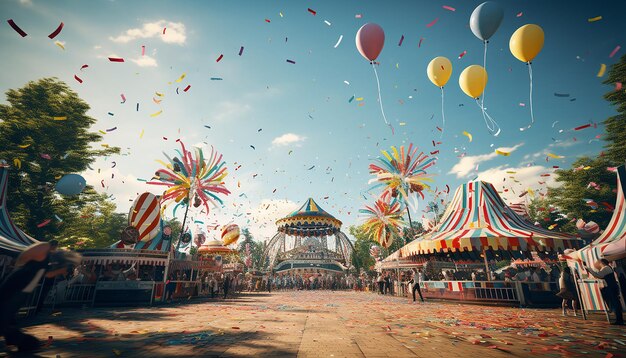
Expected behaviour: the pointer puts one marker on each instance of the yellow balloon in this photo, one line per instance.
(439, 71)
(473, 80)
(526, 42)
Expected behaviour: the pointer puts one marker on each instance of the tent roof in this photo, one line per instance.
(12, 239)
(477, 218)
(309, 219)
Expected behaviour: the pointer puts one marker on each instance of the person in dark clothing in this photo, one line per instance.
(226, 285)
(387, 284)
(416, 284)
(610, 293)
(30, 267)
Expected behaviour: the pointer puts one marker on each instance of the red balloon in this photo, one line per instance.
(370, 40)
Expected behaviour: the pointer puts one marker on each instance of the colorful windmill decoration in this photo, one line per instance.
(402, 173)
(192, 177)
(383, 220)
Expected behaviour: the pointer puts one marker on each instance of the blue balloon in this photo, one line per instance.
(71, 184)
(486, 19)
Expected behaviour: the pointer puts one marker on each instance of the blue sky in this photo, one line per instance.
(302, 110)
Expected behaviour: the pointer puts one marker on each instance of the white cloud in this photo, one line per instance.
(26, 2)
(467, 164)
(174, 32)
(288, 139)
(145, 61)
(124, 188)
(517, 180)
(229, 110)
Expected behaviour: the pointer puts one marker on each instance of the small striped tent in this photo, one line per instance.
(477, 219)
(611, 244)
(12, 239)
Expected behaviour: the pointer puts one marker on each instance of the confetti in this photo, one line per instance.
(312, 11)
(594, 19)
(56, 32)
(216, 78)
(16, 28)
(351, 99)
(137, 107)
(602, 70)
(111, 129)
(582, 127)
(561, 94)
(430, 24)
(251, 146)
(219, 58)
(165, 28)
(401, 40)
(78, 79)
(123, 98)
(240, 50)
(503, 153)
(141, 134)
(116, 59)
(618, 86)
(60, 44)
(187, 88)
(44, 223)
(519, 15)
(24, 146)
(17, 163)
(617, 48)
(468, 135)
(449, 8)
(180, 79)
(339, 41)
(327, 22)
(62, 118)
(156, 113)
(555, 156)
(358, 16)
(83, 67)
(143, 50)
(291, 61)
(462, 54)
(268, 20)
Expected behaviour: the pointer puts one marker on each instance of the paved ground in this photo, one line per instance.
(323, 324)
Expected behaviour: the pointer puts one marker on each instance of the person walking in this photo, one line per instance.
(610, 293)
(226, 285)
(567, 290)
(381, 284)
(417, 278)
(30, 267)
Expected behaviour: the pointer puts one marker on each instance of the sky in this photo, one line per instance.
(290, 131)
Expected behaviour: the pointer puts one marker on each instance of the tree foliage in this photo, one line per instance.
(44, 131)
(589, 182)
(256, 250)
(361, 258)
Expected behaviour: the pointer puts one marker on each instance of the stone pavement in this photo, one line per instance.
(323, 324)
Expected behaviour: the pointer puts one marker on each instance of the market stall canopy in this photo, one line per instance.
(611, 244)
(477, 219)
(309, 220)
(12, 239)
(214, 247)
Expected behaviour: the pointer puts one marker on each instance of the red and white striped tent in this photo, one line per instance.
(477, 220)
(611, 244)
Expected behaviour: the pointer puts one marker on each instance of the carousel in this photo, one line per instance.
(309, 241)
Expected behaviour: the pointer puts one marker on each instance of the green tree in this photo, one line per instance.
(616, 125)
(256, 250)
(44, 131)
(589, 179)
(542, 211)
(361, 258)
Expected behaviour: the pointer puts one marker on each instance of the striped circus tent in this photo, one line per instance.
(12, 239)
(520, 209)
(477, 220)
(611, 244)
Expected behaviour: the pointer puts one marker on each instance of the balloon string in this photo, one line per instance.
(530, 76)
(380, 100)
(492, 125)
(443, 115)
(482, 101)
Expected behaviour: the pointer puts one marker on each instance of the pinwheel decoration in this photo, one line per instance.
(402, 173)
(192, 178)
(383, 220)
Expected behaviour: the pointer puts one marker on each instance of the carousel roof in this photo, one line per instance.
(309, 219)
(477, 218)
